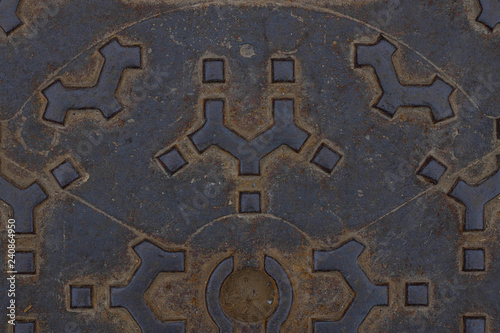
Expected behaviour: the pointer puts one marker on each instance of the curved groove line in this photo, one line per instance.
(220, 273)
(285, 290)
(494, 151)
(271, 216)
(277, 3)
(207, 4)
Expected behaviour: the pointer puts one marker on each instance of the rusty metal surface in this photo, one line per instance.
(265, 166)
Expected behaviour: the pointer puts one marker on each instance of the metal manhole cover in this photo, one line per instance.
(240, 166)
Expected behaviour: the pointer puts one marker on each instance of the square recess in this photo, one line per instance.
(249, 202)
(432, 170)
(283, 70)
(213, 71)
(24, 327)
(172, 161)
(473, 260)
(326, 158)
(65, 173)
(81, 297)
(417, 294)
(474, 324)
(25, 262)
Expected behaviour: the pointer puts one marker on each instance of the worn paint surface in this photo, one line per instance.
(174, 166)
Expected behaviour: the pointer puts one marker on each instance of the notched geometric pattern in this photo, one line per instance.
(153, 261)
(490, 13)
(475, 197)
(23, 201)
(8, 17)
(61, 99)
(395, 94)
(249, 153)
(345, 260)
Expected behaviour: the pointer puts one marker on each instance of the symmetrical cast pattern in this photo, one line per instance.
(61, 99)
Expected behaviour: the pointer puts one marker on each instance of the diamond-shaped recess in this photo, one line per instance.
(65, 173)
(326, 158)
(432, 170)
(172, 161)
